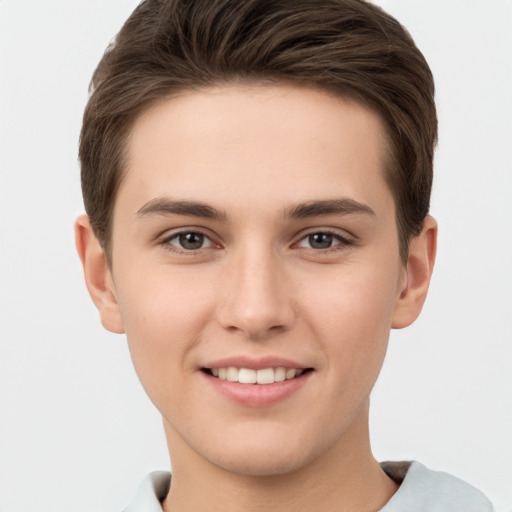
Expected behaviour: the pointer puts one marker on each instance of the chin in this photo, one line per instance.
(262, 466)
(262, 458)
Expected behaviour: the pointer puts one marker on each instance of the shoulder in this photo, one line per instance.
(151, 491)
(432, 491)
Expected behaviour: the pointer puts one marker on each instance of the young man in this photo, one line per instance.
(256, 176)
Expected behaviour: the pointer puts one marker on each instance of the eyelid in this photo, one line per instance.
(165, 238)
(343, 238)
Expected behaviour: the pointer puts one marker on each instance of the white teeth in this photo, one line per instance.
(265, 376)
(249, 376)
(279, 374)
(232, 374)
(290, 373)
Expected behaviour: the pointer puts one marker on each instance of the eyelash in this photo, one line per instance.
(339, 242)
(166, 242)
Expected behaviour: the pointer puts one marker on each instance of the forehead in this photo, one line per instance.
(254, 144)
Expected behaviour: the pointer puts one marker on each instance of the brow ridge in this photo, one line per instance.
(313, 208)
(167, 206)
(341, 206)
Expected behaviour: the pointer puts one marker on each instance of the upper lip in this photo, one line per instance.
(255, 363)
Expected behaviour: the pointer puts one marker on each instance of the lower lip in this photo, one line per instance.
(258, 395)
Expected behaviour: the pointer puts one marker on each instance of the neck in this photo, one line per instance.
(346, 478)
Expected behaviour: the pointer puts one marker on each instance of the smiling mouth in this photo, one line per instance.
(251, 376)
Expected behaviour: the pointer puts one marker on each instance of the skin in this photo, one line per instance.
(257, 285)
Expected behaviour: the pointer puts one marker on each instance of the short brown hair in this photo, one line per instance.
(350, 48)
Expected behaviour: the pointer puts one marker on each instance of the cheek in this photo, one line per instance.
(356, 300)
(352, 316)
(163, 317)
(162, 301)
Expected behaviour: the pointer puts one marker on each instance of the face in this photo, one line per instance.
(254, 239)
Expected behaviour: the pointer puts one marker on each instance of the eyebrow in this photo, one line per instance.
(343, 206)
(165, 206)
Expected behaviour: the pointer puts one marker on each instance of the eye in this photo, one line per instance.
(189, 241)
(322, 240)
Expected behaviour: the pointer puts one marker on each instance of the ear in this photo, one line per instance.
(97, 275)
(418, 271)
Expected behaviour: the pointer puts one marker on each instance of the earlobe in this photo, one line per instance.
(97, 275)
(418, 269)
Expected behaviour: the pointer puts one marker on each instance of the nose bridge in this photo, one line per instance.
(257, 297)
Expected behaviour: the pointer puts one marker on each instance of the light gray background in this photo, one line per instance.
(77, 432)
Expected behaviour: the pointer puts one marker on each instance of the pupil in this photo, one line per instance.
(320, 240)
(191, 240)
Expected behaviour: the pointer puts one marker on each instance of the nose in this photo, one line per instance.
(257, 296)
